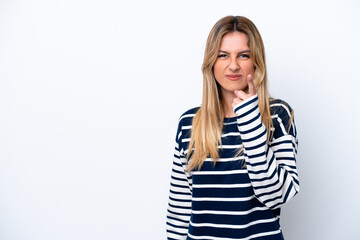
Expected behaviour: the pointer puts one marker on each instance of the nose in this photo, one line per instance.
(234, 65)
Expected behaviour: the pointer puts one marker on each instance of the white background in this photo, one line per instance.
(90, 94)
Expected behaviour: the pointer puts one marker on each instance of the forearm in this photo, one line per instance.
(271, 167)
(179, 207)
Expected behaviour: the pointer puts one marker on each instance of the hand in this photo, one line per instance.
(241, 95)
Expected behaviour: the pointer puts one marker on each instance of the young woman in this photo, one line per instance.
(235, 156)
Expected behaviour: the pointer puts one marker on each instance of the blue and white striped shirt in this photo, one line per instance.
(231, 200)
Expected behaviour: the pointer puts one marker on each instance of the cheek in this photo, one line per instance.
(249, 67)
(218, 70)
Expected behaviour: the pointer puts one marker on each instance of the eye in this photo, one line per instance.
(222, 56)
(244, 56)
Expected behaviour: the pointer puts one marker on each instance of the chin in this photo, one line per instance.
(238, 87)
(231, 87)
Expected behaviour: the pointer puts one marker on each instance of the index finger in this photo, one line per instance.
(251, 84)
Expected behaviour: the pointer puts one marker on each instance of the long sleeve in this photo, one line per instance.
(179, 207)
(271, 167)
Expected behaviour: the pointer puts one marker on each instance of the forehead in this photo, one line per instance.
(234, 42)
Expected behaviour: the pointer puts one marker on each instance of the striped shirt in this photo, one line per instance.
(240, 196)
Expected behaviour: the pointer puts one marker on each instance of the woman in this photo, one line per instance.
(242, 166)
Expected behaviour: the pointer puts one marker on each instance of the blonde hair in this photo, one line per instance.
(208, 121)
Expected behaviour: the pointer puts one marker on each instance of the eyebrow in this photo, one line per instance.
(245, 51)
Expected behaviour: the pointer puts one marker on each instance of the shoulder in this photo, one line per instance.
(184, 124)
(279, 108)
(188, 115)
(185, 119)
(283, 118)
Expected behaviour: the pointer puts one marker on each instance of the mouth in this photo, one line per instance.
(233, 77)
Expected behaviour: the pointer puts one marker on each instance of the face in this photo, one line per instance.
(233, 63)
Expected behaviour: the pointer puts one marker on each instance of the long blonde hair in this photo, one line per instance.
(208, 121)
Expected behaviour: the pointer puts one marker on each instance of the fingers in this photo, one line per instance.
(251, 85)
(241, 94)
(237, 100)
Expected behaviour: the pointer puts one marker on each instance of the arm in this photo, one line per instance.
(179, 208)
(271, 167)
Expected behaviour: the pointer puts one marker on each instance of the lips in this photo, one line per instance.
(233, 77)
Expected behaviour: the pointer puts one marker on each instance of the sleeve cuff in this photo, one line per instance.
(242, 107)
(248, 115)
